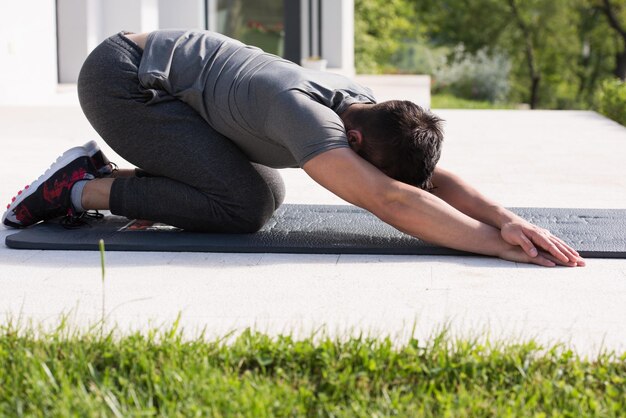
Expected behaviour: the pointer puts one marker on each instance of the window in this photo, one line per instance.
(254, 22)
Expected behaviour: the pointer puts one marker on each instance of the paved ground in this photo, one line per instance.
(521, 158)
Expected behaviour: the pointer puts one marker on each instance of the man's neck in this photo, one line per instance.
(347, 115)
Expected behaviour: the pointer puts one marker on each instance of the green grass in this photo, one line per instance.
(159, 373)
(448, 101)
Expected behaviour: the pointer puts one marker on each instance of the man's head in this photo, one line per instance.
(400, 138)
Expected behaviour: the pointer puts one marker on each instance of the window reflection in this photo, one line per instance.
(255, 22)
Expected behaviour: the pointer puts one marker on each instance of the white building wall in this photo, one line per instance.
(83, 24)
(29, 31)
(182, 14)
(338, 35)
(79, 31)
(335, 43)
(27, 51)
(130, 15)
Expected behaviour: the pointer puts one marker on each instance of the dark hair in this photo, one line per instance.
(402, 139)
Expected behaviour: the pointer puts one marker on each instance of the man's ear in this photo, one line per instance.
(355, 139)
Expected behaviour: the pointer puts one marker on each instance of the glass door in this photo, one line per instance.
(254, 22)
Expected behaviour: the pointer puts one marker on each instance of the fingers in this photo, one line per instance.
(542, 239)
(527, 245)
(557, 250)
(541, 260)
(571, 254)
(579, 260)
(565, 249)
(548, 260)
(564, 243)
(556, 261)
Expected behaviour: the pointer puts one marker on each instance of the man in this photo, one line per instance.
(208, 119)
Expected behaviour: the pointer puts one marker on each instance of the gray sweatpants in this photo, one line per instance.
(198, 179)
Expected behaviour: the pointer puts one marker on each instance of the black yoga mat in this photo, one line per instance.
(318, 229)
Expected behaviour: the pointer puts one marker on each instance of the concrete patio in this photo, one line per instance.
(520, 158)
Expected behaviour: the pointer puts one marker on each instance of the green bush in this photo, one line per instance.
(480, 76)
(611, 100)
(379, 28)
(418, 57)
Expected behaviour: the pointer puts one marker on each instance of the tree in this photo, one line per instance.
(598, 49)
(380, 27)
(559, 50)
(537, 35)
(613, 14)
(529, 52)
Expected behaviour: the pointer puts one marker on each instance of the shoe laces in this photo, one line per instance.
(112, 168)
(77, 220)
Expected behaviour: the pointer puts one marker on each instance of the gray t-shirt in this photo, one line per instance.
(278, 113)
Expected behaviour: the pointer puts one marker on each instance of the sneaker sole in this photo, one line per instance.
(92, 148)
(65, 158)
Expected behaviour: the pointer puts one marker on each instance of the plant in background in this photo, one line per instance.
(478, 76)
(267, 36)
(416, 56)
(277, 28)
(611, 100)
(380, 27)
(558, 49)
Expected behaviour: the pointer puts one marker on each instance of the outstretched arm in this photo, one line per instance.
(513, 229)
(412, 210)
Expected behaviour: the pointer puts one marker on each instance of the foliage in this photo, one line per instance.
(64, 373)
(418, 57)
(478, 76)
(449, 101)
(379, 32)
(612, 100)
(615, 13)
(536, 35)
(559, 50)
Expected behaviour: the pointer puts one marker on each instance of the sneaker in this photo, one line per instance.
(49, 196)
(103, 166)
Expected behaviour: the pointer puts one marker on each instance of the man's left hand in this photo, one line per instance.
(529, 237)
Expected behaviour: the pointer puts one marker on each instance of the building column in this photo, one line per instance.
(328, 32)
(184, 14)
(337, 35)
(83, 24)
(78, 31)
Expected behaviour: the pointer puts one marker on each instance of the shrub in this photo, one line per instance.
(611, 100)
(418, 57)
(479, 76)
(379, 27)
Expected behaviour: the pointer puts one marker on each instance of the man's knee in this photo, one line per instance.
(251, 213)
(274, 181)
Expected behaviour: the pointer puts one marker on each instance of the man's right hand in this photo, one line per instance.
(517, 254)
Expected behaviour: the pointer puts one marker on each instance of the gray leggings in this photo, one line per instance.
(198, 179)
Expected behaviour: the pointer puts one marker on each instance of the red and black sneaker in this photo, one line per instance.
(49, 196)
(103, 166)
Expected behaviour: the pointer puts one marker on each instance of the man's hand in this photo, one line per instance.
(539, 244)
(532, 244)
(516, 254)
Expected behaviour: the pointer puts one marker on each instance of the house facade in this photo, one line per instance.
(49, 47)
